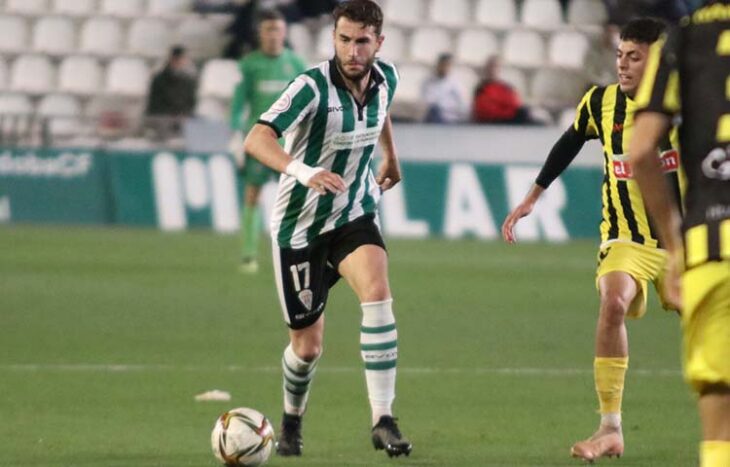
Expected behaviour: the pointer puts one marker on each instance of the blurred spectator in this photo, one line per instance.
(242, 31)
(600, 60)
(442, 96)
(172, 91)
(495, 101)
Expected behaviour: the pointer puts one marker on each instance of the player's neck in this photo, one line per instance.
(358, 87)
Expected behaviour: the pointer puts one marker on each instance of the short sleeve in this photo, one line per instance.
(391, 78)
(293, 106)
(584, 122)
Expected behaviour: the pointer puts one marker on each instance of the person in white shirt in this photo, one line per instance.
(442, 96)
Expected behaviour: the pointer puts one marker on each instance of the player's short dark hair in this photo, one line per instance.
(366, 12)
(177, 51)
(269, 15)
(643, 30)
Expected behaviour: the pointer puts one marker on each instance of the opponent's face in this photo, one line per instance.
(272, 34)
(630, 64)
(355, 48)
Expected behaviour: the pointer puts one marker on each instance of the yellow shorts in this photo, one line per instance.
(643, 263)
(706, 324)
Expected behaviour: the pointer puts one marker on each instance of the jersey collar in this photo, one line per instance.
(376, 79)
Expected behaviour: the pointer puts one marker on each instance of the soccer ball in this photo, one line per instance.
(242, 437)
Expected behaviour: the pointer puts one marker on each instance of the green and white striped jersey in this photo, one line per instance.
(325, 127)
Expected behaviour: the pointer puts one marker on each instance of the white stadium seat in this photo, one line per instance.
(523, 48)
(474, 46)
(80, 75)
(568, 49)
(453, 13)
(324, 49)
(567, 117)
(74, 7)
(517, 79)
(127, 76)
(496, 14)
(125, 8)
(405, 12)
(211, 109)
(428, 43)
(54, 35)
(219, 78)
(394, 45)
(26, 6)
(101, 36)
(3, 74)
(169, 7)
(587, 12)
(556, 87)
(14, 37)
(300, 38)
(542, 14)
(412, 78)
(33, 74)
(200, 38)
(149, 37)
(15, 104)
(63, 112)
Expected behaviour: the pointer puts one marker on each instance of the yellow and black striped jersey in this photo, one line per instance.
(607, 113)
(690, 70)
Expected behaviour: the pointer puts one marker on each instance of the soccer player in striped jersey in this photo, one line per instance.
(265, 73)
(690, 76)
(324, 223)
(629, 255)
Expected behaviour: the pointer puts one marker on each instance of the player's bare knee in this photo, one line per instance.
(614, 309)
(377, 291)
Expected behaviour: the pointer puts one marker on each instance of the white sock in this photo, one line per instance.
(612, 420)
(297, 378)
(379, 350)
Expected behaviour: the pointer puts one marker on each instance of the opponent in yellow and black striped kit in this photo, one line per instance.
(692, 72)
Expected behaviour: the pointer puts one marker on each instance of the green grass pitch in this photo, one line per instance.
(106, 335)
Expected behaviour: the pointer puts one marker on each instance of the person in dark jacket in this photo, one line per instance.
(172, 91)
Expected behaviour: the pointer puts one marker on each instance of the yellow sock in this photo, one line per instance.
(609, 374)
(715, 453)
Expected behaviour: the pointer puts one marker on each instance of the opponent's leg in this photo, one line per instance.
(298, 364)
(366, 270)
(618, 290)
(250, 229)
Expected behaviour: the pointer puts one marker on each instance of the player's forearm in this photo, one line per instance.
(262, 144)
(534, 194)
(387, 144)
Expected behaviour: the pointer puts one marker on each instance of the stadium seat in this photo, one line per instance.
(404, 12)
(524, 49)
(453, 13)
(324, 49)
(124, 8)
(496, 14)
(15, 104)
(127, 76)
(33, 74)
(427, 43)
(74, 7)
(54, 35)
(62, 112)
(80, 75)
(587, 12)
(517, 79)
(568, 49)
(169, 7)
(411, 83)
(200, 38)
(557, 88)
(14, 37)
(3, 74)
(300, 39)
(394, 45)
(542, 14)
(211, 109)
(219, 78)
(101, 36)
(474, 46)
(32, 7)
(567, 117)
(149, 37)
(467, 79)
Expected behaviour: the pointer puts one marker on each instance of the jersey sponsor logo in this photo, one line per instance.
(717, 164)
(622, 167)
(355, 139)
(282, 104)
(334, 109)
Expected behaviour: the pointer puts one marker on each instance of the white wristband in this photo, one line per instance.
(301, 171)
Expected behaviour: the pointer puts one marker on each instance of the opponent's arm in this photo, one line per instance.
(389, 173)
(560, 157)
(262, 143)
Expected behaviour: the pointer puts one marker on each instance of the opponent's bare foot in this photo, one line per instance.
(606, 442)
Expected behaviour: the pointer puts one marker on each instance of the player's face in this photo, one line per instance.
(272, 34)
(355, 48)
(630, 64)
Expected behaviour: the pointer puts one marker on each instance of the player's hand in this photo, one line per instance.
(325, 181)
(672, 280)
(522, 210)
(235, 147)
(388, 175)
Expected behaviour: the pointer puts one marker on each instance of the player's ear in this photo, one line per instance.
(379, 42)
